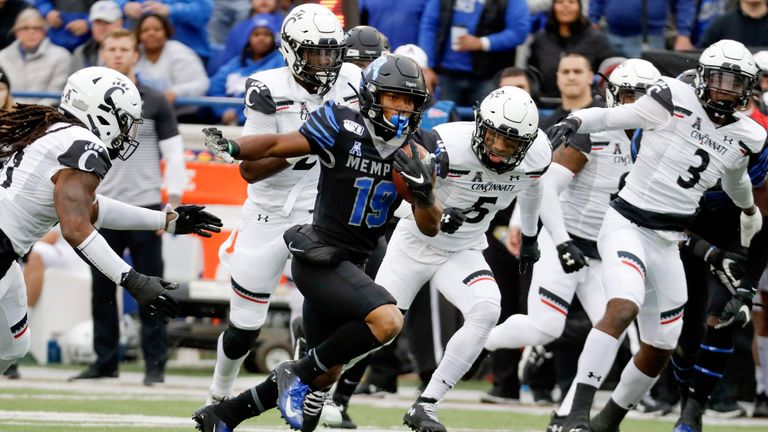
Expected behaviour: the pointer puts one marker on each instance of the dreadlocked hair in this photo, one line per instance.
(26, 123)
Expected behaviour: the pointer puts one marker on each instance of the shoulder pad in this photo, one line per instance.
(258, 97)
(661, 93)
(86, 156)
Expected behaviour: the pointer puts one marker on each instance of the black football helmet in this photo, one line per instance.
(393, 73)
(364, 45)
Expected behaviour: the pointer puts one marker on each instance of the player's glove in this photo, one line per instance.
(453, 218)
(223, 148)
(729, 267)
(152, 292)
(572, 259)
(192, 219)
(738, 311)
(560, 131)
(441, 159)
(529, 253)
(417, 174)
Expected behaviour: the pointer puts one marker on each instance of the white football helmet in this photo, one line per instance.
(633, 75)
(508, 113)
(761, 60)
(108, 103)
(725, 76)
(313, 44)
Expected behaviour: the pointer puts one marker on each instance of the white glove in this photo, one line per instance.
(750, 225)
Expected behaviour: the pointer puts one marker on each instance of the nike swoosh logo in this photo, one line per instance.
(289, 412)
(418, 180)
(292, 249)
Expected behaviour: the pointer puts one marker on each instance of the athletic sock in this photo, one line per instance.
(226, 370)
(351, 340)
(249, 403)
(633, 385)
(595, 362)
(348, 382)
(711, 361)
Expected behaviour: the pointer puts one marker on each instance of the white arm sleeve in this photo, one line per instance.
(118, 215)
(175, 171)
(95, 250)
(529, 202)
(738, 186)
(554, 182)
(514, 220)
(646, 113)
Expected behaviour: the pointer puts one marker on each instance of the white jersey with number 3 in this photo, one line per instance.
(481, 191)
(683, 152)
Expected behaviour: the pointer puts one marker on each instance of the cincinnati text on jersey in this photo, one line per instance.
(706, 140)
(492, 187)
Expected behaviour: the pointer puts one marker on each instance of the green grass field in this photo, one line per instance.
(43, 401)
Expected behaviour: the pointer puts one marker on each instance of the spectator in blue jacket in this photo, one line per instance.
(257, 54)
(67, 21)
(627, 25)
(400, 24)
(188, 17)
(468, 41)
(238, 36)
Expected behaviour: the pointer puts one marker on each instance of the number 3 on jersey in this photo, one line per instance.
(383, 196)
(695, 171)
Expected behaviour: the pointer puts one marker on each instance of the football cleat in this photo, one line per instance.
(290, 395)
(556, 422)
(577, 425)
(208, 421)
(422, 417)
(690, 417)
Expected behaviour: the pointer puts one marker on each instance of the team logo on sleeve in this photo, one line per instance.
(355, 128)
(86, 156)
(258, 97)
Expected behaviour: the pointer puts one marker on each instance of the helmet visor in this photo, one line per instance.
(628, 95)
(725, 82)
(317, 58)
(500, 147)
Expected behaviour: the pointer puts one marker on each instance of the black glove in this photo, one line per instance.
(192, 219)
(452, 219)
(560, 131)
(729, 267)
(738, 311)
(529, 253)
(572, 259)
(441, 159)
(417, 174)
(152, 292)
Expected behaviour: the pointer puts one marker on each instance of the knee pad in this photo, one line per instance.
(483, 316)
(237, 342)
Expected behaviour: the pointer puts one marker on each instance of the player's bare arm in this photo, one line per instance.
(570, 158)
(254, 171)
(74, 195)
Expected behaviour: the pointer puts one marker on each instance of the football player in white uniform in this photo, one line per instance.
(499, 157)
(586, 171)
(692, 138)
(56, 159)
(282, 191)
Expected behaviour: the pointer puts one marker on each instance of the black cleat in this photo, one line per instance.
(556, 422)
(690, 418)
(93, 373)
(576, 425)
(208, 421)
(290, 395)
(422, 417)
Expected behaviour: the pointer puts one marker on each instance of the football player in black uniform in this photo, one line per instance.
(346, 315)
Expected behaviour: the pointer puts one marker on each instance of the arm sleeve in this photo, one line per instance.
(428, 28)
(685, 11)
(118, 215)
(518, 24)
(737, 185)
(96, 251)
(596, 10)
(194, 12)
(646, 113)
(175, 171)
(553, 183)
(321, 129)
(530, 202)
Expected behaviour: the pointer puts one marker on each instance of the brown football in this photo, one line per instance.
(400, 184)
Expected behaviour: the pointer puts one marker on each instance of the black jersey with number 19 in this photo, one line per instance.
(356, 196)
